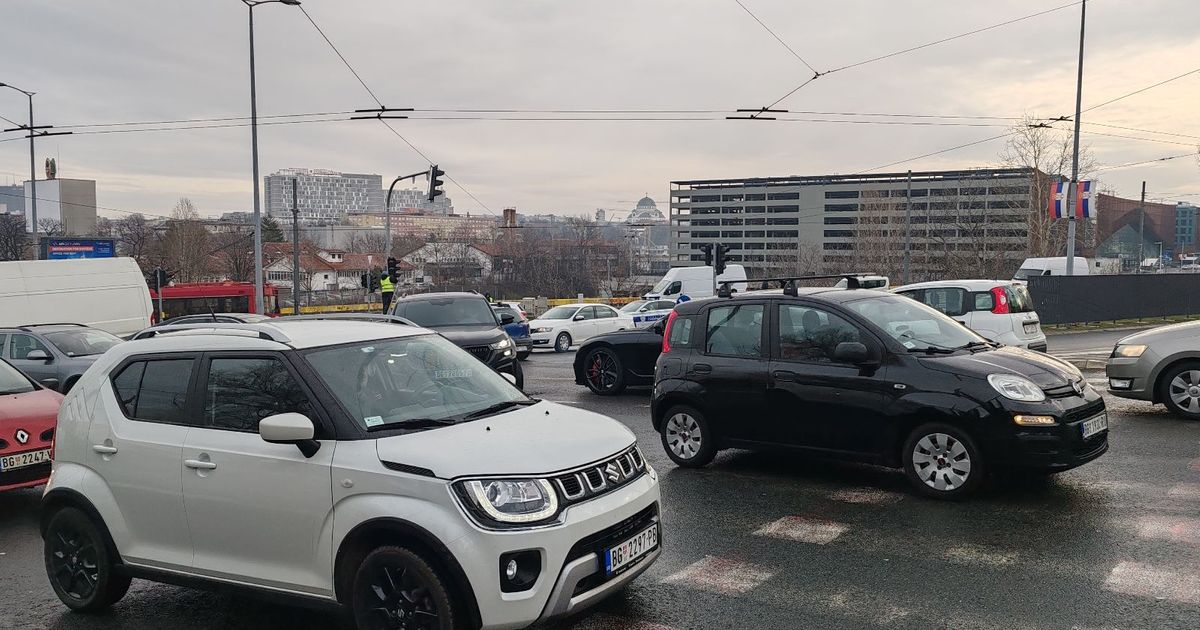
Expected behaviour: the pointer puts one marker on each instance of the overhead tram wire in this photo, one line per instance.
(939, 152)
(1139, 91)
(777, 38)
(1143, 162)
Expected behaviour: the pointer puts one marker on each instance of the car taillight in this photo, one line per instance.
(666, 347)
(1000, 301)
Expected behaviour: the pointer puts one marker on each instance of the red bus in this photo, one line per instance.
(198, 298)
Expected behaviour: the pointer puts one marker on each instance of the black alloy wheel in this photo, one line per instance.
(603, 372)
(396, 589)
(78, 563)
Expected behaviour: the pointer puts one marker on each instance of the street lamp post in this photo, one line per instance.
(258, 250)
(32, 168)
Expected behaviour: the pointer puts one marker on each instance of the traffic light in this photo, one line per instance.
(393, 273)
(365, 281)
(435, 182)
(719, 263)
(161, 277)
(707, 248)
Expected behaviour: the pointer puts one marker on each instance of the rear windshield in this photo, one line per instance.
(451, 311)
(1019, 300)
(12, 381)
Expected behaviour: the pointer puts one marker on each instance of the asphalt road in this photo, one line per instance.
(776, 541)
(1094, 344)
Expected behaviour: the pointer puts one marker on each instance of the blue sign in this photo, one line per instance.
(68, 248)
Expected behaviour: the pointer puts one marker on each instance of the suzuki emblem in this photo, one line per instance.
(22, 436)
(613, 472)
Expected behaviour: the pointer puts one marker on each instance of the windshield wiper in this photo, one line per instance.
(934, 349)
(498, 407)
(974, 344)
(411, 423)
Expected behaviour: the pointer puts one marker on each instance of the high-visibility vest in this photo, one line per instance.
(385, 284)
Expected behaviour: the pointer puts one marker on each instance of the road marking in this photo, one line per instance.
(603, 621)
(1173, 528)
(976, 555)
(802, 529)
(852, 605)
(873, 496)
(720, 575)
(1143, 580)
(1185, 491)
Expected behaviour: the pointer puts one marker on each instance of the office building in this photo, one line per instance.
(12, 200)
(69, 202)
(416, 199)
(325, 197)
(1185, 228)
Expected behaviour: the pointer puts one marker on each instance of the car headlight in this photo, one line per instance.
(511, 501)
(1015, 387)
(1129, 352)
(540, 329)
(500, 345)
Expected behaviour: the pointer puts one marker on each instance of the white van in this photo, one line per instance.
(1054, 266)
(880, 283)
(105, 293)
(694, 282)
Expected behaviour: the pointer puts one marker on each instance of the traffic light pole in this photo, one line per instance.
(387, 209)
(295, 249)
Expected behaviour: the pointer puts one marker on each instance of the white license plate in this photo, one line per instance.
(1092, 426)
(21, 460)
(623, 554)
(1031, 329)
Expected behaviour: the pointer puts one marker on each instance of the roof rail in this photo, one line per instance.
(788, 283)
(28, 326)
(363, 317)
(264, 331)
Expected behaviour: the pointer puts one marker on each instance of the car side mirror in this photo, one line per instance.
(290, 428)
(507, 318)
(851, 352)
(49, 383)
(578, 318)
(38, 355)
(659, 326)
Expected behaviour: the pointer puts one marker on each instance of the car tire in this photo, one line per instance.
(524, 354)
(79, 563)
(516, 370)
(1179, 390)
(66, 388)
(562, 342)
(687, 438)
(394, 584)
(603, 372)
(942, 461)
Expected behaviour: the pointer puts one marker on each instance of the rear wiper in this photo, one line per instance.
(413, 423)
(498, 407)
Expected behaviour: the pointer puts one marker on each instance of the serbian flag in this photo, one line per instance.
(1057, 199)
(1057, 204)
(1083, 200)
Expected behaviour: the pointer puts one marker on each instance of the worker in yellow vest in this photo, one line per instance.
(386, 288)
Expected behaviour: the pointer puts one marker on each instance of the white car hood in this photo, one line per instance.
(534, 440)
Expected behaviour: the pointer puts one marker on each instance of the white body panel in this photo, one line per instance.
(105, 293)
(547, 330)
(1053, 266)
(694, 282)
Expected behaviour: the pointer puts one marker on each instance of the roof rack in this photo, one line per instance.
(788, 283)
(362, 317)
(264, 331)
(28, 326)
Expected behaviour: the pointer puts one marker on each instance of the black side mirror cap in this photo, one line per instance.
(852, 352)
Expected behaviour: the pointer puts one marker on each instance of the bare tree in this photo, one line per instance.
(51, 227)
(13, 237)
(233, 254)
(184, 244)
(134, 237)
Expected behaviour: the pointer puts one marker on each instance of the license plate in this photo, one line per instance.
(624, 554)
(1031, 328)
(1092, 426)
(21, 460)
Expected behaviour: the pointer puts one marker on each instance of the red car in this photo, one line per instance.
(28, 415)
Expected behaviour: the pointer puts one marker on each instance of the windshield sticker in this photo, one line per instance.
(461, 373)
(910, 345)
(373, 421)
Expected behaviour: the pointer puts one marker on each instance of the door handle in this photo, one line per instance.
(198, 464)
(702, 368)
(104, 449)
(784, 375)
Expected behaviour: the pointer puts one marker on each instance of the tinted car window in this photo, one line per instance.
(505, 310)
(1019, 300)
(155, 391)
(19, 346)
(810, 334)
(913, 324)
(735, 330)
(242, 391)
(603, 312)
(456, 311)
(984, 301)
(681, 332)
(947, 300)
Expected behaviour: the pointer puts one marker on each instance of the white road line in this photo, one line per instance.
(976, 555)
(872, 496)
(720, 575)
(802, 529)
(1143, 580)
(1173, 528)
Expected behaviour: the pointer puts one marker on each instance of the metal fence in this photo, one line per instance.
(1075, 299)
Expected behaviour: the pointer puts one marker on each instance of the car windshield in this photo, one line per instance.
(82, 342)
(633, 307)
(560, 312)
(1025, 274)
(662, 285)
(915, 325)
(451, 311)
(411, 381)
(12, 381)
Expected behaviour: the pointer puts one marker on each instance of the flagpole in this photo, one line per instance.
(1072, 190)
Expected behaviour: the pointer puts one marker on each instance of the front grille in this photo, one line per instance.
(609, 536)
(22, 475)
(3, 445)
(597, 479)
(47, 435)
(1083, 413)
(483, 353)
(1065, 391)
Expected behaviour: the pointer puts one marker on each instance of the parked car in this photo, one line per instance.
(212, 318)
(456, 500)
(643, 313)
(517, 328)
(1161, 365)
(609, 363)
(694, 282)
(55, 355)
(882, 283)
(871, 376)
(563, 326)
(999, 310)
(28, 413)
(468, 320)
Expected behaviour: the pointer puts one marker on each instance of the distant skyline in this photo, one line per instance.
(143, 60)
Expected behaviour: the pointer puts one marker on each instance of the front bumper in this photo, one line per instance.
(1052, 448)
(1132, 375)
(572, 574)
(541, 339)
(26, 477)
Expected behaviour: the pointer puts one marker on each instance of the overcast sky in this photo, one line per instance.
(149, 60)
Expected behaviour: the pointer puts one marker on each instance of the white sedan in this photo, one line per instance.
(563, 326)
(646, 312)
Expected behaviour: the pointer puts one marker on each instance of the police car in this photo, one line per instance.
(646, 312)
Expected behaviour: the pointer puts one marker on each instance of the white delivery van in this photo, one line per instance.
(1054, 266)
(694, 282)
(105, 293)
(881, 283)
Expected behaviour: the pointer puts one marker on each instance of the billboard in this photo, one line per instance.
(66, 248)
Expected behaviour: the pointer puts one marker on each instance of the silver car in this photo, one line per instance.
(1161, 365)
(54, 355)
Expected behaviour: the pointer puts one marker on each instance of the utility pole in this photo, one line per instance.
(33, 182)
(295, 247)
(908, 229)
(1072, 191)
(1142, 230)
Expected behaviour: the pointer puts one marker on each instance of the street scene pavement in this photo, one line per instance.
(761, 540)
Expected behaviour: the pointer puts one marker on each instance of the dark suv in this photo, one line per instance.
(468, 320)
(869, 376)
